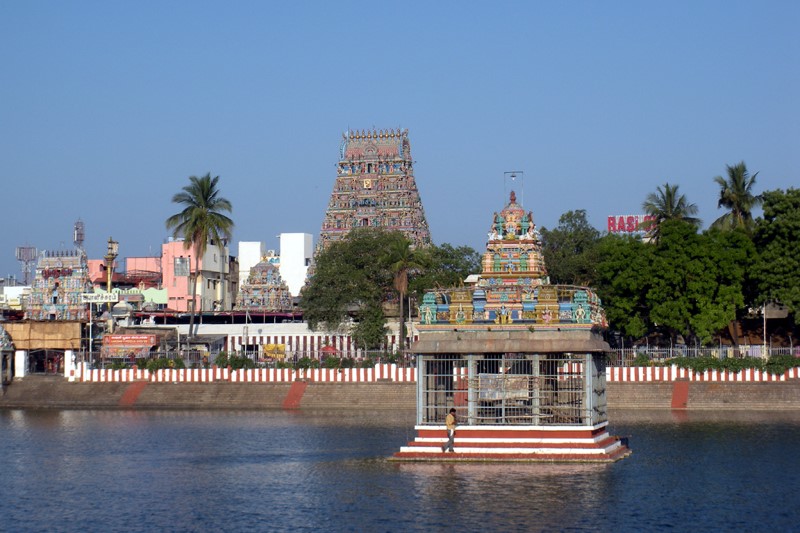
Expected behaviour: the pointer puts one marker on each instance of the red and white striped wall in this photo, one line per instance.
(392, 372)
(380, 372)
(516, 443)
(645, 374)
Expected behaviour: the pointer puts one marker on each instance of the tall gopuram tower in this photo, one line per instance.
(521, 362)
(375, 188)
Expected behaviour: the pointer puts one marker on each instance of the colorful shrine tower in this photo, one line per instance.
(264, 291)
(375, 188)
(61, 277)
(520, 361)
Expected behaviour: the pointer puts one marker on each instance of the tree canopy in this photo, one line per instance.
(667, 204)
(353, 277)
(570, 249)
(349, 280)
(698, 279)
(777, 273)
(403, 259)
(736, 195)
(623, 277)
(202, 220)
(686, 284)
(445, 266)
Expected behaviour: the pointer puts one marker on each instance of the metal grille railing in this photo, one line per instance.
(629, 356)
(507, 389)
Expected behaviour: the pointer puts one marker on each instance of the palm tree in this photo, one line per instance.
(736, 195)
(201, 221)
(667, 204)
(402, 259)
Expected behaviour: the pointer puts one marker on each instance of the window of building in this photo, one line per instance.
(181, 266)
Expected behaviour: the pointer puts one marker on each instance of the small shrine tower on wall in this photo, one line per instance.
(375, 188)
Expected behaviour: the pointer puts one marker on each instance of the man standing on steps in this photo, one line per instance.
(450, 423)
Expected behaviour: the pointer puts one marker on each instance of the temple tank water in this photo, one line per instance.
(327, 471)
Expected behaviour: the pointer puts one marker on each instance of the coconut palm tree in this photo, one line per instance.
(402, 259)
(667, 204)
(736, 195)
(201, 221)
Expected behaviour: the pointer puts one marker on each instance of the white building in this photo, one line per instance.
(250, 254)
(297, 250)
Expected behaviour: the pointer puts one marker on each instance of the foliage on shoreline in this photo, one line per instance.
(234, 361)
(777, 364)
(686, 283)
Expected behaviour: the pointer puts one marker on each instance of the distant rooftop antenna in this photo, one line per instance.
(514, 180)
(27, 256)
(78, 234)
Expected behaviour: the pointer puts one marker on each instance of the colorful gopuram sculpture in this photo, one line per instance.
(61, 277)
(375, 188)
(264, 291)
(519, 361)
(513, 288)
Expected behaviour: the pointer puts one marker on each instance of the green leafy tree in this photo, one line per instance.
(201, 221)
(402, 258)
(624, 272)
(570, 250)
(678, 268)
(719, 293)
(351, 280)
(736, 195)
(777, 273)
(445, 266)
(370, 329)
(667, 204)
(698, 280)
(353, 277)
(687, 284)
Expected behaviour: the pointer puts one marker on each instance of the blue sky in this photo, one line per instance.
(107, 107)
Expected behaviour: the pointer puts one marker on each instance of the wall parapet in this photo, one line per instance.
(643, 374)
(380, 372)
(400, 374)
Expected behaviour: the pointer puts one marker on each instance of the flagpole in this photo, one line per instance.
(514, 176)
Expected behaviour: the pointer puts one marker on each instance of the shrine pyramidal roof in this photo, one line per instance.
(513, 290)
(514, 247)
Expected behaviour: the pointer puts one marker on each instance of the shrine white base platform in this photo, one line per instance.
(516, 444)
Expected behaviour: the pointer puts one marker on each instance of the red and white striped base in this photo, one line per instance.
(516, 443)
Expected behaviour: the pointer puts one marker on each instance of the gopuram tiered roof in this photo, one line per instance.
(264, 291)
(375, 188)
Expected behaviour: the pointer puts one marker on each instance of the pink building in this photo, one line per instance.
(176, 262)
(215, 285)
(171, 272)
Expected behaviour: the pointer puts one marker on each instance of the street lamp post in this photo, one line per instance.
(764, 348)
(111, 254)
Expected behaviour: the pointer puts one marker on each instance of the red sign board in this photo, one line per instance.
(628, 223)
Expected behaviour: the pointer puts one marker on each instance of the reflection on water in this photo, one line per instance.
(321, 471)
(517, 496)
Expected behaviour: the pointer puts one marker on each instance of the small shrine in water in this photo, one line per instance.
(521, 361)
